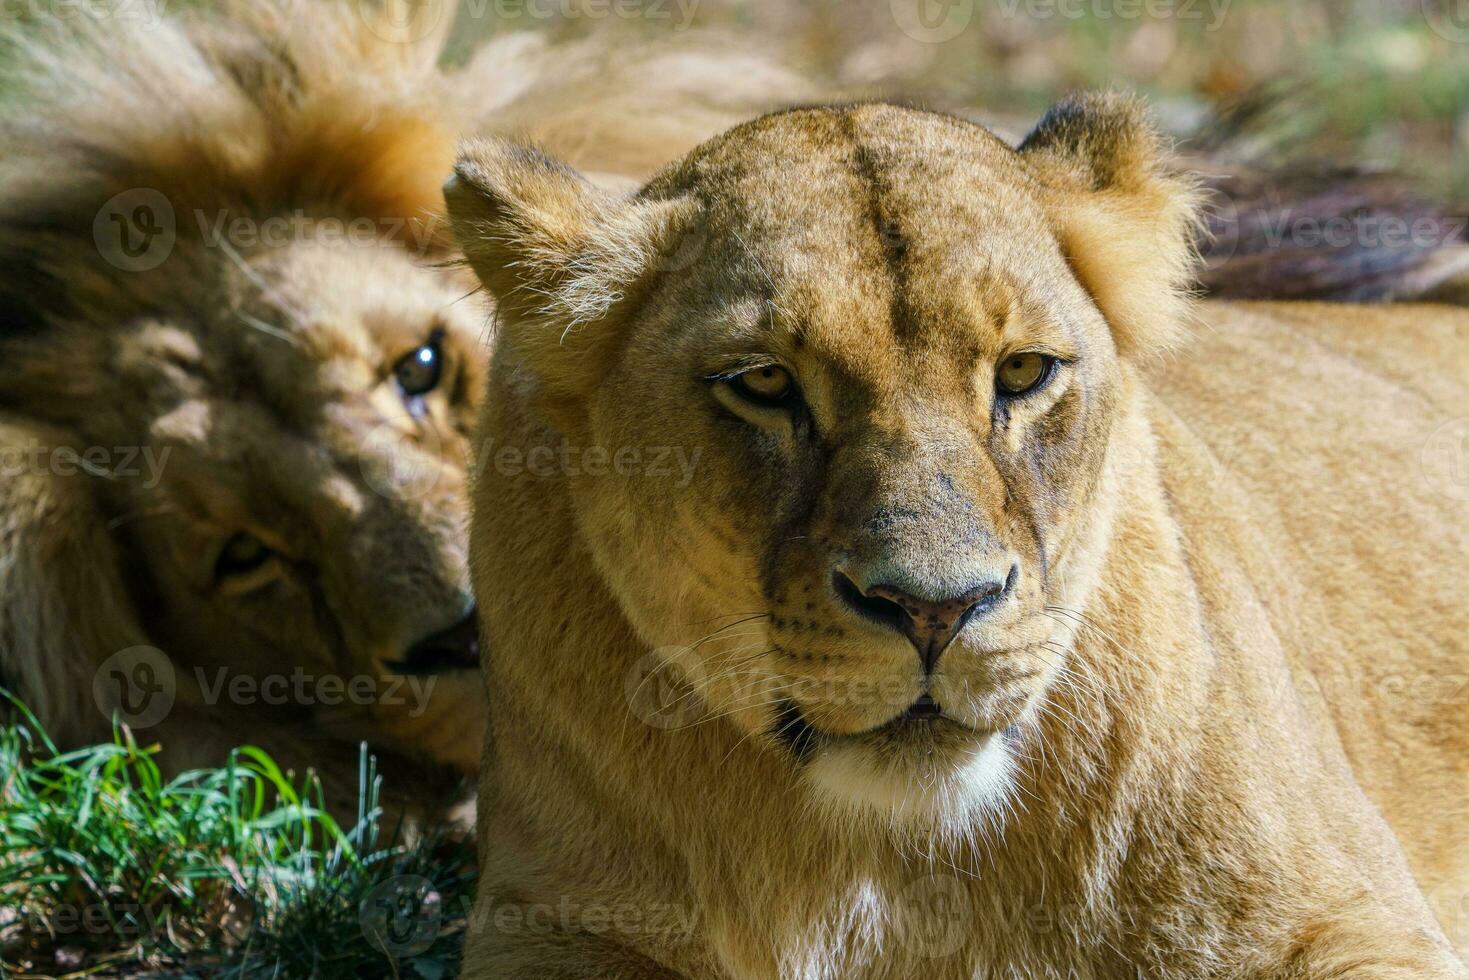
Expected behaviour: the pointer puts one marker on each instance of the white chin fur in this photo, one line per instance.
(971, 788)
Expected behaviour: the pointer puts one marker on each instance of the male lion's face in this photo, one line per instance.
(296, 544)
(899, 395)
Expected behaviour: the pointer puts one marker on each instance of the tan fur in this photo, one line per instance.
(264, 370)
(1173, 748)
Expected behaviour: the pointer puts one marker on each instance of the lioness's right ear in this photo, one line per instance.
(558, 254)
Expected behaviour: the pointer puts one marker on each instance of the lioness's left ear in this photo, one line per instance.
(1126, 220)
(558, 254)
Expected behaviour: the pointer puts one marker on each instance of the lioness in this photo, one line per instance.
(1001, 643)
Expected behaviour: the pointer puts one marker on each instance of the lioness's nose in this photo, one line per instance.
(929, 624)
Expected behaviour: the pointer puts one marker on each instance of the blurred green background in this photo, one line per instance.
(1384, 84)
(1379, 84)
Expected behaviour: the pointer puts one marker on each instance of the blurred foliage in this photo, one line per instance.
(1382, 84)
(1378, 83)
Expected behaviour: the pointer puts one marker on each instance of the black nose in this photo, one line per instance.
(456, 648)
(929, 624)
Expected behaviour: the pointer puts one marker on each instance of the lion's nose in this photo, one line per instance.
(456, 648)
(930, 625)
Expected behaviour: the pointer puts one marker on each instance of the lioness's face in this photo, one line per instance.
(898, 393)
(901, 417)
(300, 519)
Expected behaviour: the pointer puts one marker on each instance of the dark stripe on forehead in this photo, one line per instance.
(887, 229)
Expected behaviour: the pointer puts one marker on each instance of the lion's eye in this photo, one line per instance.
(419, 372)
(767, 386)
(1021, 374)
(241, 555)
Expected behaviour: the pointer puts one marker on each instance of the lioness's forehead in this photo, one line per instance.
(829, 168)
(893, 226)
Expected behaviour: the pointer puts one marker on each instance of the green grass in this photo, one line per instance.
(107, 868)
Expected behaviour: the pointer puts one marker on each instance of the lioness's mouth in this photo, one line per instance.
(924, 718)
(924, 709)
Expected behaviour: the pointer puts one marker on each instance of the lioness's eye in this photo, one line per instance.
(767, 386)
(419, 372)
(1020, 374)
(241, 555)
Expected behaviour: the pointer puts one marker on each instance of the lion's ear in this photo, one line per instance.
(558, 254)
(1126, 219)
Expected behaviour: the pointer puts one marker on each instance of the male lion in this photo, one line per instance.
(1001, 645)
(239, 375)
